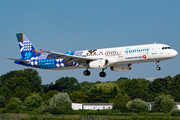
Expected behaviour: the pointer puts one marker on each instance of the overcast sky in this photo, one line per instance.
(63, 25)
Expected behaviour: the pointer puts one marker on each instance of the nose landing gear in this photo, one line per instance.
(158, 68)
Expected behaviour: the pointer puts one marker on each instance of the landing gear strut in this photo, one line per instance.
(102, 74)
(87, 72)
(158, 68)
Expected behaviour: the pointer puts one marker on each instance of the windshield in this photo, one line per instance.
(164, 48)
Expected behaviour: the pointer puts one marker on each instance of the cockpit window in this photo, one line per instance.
(163, 48)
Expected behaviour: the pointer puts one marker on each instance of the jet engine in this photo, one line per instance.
(99, 64)
(124, 67)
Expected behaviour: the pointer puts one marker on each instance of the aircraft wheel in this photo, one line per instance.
(102, 74)
(158, 68)
(86, 72)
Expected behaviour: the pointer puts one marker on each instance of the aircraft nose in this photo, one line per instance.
(174, 53)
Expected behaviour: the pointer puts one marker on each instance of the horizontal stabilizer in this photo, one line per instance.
(24, 61)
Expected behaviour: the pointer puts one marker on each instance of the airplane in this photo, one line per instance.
(117, 58)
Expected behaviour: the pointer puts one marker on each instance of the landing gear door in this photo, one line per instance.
(154, 49)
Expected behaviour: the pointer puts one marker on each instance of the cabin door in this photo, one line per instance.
(154, 49)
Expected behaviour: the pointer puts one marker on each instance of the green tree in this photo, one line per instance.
(29, 74)
(22, 92)
(6, 92)
(163, 104)
(158, 87)
(13, 82)
(137, 106)
(77, 97)
(2, 101)
(48, 87)
(16, 85)
(60, 103)
(107, 86)
(168, 81)
(34, 78)
(8, 75)
(33, 101)
(86, 86)
(120, 101)
(175, 112)
(114, 92)
(175, 87)
(121, 79)
(136, 88)
(50, 94)
(13, 107)
(109, 90)
(16, 100)
(97, 96)
(66, 84)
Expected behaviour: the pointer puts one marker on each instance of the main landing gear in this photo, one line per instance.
(158, 68)
(101, 74)
(87, 72)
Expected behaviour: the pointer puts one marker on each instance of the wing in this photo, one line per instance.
(72, 58)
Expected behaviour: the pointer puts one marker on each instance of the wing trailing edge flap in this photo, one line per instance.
(24, 61)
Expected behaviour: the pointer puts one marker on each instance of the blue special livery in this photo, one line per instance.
(117, 58)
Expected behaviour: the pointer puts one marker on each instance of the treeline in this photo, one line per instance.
(22, 91)
(104, 92)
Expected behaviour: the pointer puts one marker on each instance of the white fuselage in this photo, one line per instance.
(133, 54)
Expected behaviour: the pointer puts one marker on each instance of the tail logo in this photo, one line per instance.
(27, 55)
(25, 46)
(20, 37)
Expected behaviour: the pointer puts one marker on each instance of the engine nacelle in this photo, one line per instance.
(99, 64)
(124, 67)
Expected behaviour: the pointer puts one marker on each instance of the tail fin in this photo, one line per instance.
(26, 48)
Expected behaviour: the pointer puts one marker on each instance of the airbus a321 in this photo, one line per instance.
(117, 58)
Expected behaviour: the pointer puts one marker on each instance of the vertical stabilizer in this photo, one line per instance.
(27, 50)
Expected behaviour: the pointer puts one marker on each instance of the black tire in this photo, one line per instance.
(102, 74)
(86, 72)
(158, 68)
